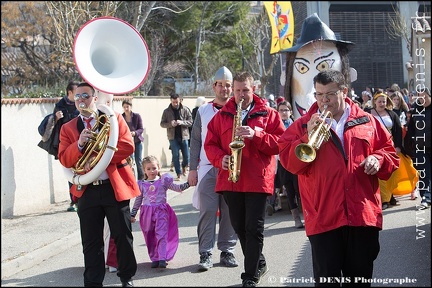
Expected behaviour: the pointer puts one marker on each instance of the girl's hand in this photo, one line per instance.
(193, 177)
(133, 219)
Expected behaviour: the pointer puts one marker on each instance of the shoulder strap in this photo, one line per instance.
(382, 121)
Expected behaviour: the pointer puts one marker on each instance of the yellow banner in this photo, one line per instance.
(282, 22)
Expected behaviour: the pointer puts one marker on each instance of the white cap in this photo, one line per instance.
(223, 74)
(199, 101)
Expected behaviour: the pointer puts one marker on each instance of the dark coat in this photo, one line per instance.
(50, 129)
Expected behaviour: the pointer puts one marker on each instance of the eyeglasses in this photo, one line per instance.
(83, 96)
(284, 110)
(329, 94)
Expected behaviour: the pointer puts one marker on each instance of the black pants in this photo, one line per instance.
(247, 212)
(290, 181)
(96, 203)
(344, 256)
(73, 201)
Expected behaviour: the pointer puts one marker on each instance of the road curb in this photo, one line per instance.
(39, 255)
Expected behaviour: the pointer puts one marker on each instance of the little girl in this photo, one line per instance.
(157, 219)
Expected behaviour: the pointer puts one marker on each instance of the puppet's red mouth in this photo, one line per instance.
(302, 111)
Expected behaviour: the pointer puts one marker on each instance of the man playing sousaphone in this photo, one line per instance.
(107, 196)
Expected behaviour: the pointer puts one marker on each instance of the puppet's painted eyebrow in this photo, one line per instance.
(325, 56)
(304, 59)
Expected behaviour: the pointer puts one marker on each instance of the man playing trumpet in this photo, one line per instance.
(107, 196)
(339, 188)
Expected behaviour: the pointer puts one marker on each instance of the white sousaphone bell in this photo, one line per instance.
(112, 56)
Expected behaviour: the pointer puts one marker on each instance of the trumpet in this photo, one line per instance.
(236, 147)
(306, 152)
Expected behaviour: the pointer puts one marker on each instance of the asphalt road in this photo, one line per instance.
(45, 250)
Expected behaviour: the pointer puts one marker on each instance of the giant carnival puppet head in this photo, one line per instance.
(317, 49)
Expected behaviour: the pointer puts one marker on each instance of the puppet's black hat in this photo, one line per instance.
(314, 29)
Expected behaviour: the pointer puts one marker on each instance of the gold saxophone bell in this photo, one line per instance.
(306, 152)
(96, 145)
(236, 147)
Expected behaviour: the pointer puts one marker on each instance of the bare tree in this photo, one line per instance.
(208, 25)
(212, 21)
(254, 39)
(199, 39)
(71, 15)
(27, 52)
(174, 31)
(397, 28)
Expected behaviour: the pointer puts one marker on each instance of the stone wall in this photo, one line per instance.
(31, 179)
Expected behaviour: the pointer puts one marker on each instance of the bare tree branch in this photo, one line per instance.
(397, 28)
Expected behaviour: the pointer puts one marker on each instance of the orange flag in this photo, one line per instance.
(282, 22)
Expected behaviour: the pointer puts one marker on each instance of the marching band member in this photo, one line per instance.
(339, 187)
(259, 127)
(108, 196)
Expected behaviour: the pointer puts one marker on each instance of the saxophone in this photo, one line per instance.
(236, 147)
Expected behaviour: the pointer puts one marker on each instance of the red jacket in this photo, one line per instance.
(121, 175)
(258, 164)
(334, 189)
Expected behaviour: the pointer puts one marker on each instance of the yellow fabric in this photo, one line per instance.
(385, 192)
(404, 179)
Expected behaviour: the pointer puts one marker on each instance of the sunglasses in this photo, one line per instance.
(83, 96)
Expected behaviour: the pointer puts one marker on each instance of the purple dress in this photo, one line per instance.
(158, 220)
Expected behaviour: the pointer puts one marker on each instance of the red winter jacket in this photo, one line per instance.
(121, 175)
(258, 156)
(334, 189)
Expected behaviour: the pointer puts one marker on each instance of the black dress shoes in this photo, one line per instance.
(393, 201)
(127, 283)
